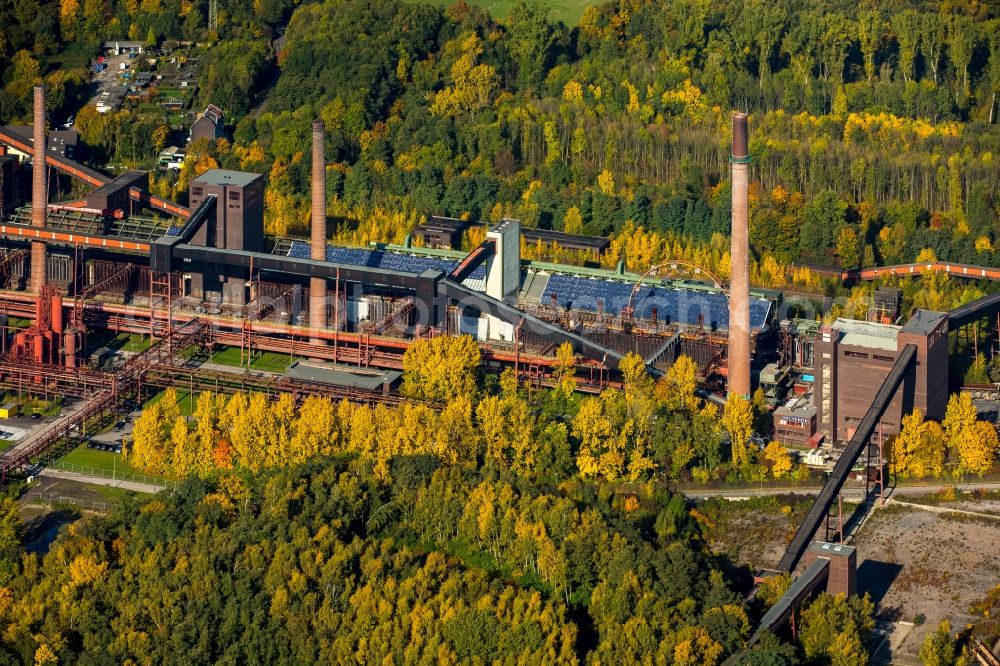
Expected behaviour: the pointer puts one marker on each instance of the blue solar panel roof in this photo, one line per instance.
(381, 259)
(681, 306)
(173, 231)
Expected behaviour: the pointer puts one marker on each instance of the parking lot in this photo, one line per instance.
(108, 89)
(113, 439)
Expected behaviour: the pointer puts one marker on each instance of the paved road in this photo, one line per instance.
(43, 426)
(101, 481)
(944, 509)
(848, 493)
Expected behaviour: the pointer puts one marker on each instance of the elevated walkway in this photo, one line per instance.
(800, 588)
(821, 506)
(25, 144)
(966, 314)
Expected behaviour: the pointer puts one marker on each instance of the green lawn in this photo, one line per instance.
(130, 342)
(112, 494)
(567, 11)
(265, 361)
(105, 463)
(184, 400)
(102, 460)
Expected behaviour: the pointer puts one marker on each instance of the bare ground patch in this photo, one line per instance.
(927, 566)
(753, 532)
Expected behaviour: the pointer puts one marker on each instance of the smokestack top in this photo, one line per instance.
(740, 134)
(319, 127)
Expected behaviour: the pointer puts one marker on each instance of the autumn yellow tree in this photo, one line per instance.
(184, 448)
(919, 448)
(170, 405)
(772, 588)
(458, 439)
(69, 14)
(572, 221)
(506, 425)
(959, 415)
(245, 425)
(977, 449)
(149, 434)
(737, 419)
(599, 453)
(474, 86)
(441, 368)
(974, 442)
(160, 135)
(565, 371)
(634, 374)
(280, 423)
(314, 431)
(206, 434)
(676, 389)
(778, 458)
(614, 445)
(695, 647)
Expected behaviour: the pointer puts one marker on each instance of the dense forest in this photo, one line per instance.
(485, 520)
(874, 125)
(323, 563)
(342, 533)
(869, 148)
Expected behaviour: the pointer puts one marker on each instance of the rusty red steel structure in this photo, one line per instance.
(156, 366)
(359, 349)
(122, 383)
(89, 176)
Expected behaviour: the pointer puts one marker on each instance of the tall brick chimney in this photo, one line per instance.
(39, 192)
(317, 286)
(739, 276)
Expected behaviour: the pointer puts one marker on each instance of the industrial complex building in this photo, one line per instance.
(206, 274)
(853, 358)
(361, 306)
(107, 262)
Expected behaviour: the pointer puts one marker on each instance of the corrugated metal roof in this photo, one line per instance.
(867, 334)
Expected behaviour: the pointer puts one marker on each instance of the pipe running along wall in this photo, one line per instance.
(739, 280)
(317, 286)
